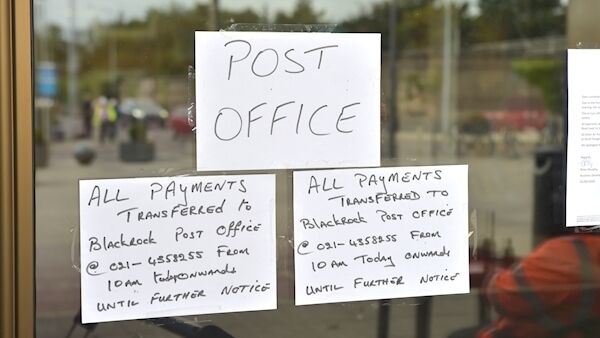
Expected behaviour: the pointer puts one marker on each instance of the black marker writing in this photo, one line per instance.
(96, 197)
(266, 61)
(320, 50)
(231, 60)
(315, 184)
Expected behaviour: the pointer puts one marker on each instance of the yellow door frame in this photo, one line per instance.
(17, 241)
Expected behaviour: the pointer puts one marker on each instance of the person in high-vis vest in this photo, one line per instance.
(553, 292)
(105, 118)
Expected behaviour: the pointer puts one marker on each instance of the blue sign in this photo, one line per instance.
(46, 80)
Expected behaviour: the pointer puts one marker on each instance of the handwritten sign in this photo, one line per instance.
(171, 246)
(300, 100)
(363, 234)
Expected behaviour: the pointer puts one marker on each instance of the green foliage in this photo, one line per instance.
(303, 13)
(501, 20)
(162, 43)
(415, 23)
(419, 22)
(545, 74)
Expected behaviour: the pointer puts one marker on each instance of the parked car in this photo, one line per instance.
(143, 109)
(520, 113)
(180, 123)
(517, 119)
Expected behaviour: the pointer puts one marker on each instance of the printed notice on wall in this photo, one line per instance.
(300, 100)
(173, 246)
(365, 234)
(583, 152)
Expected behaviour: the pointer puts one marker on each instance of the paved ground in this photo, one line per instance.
(501, 207)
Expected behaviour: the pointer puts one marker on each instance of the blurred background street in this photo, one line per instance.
(477, 82)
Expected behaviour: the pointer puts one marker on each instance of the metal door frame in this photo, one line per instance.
(17, 240)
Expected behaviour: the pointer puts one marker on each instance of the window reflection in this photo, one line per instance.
(477, 82)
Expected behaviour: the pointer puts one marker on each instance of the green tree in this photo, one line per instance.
(303, 13)
(162, 43)
(514, 19)
(416, 21)
(547, 75)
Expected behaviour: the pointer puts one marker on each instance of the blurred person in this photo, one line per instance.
(87, 109)
(105, 118)
(553, 292)
(113, 114)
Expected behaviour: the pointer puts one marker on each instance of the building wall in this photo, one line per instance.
(484, 80)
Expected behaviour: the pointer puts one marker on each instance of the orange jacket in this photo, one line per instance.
(553, 292)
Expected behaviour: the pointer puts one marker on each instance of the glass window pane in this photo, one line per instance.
(479, 82)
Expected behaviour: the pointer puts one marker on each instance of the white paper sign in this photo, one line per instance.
(363, 234)
(583, 153)
(299, 100)
(172, 246)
